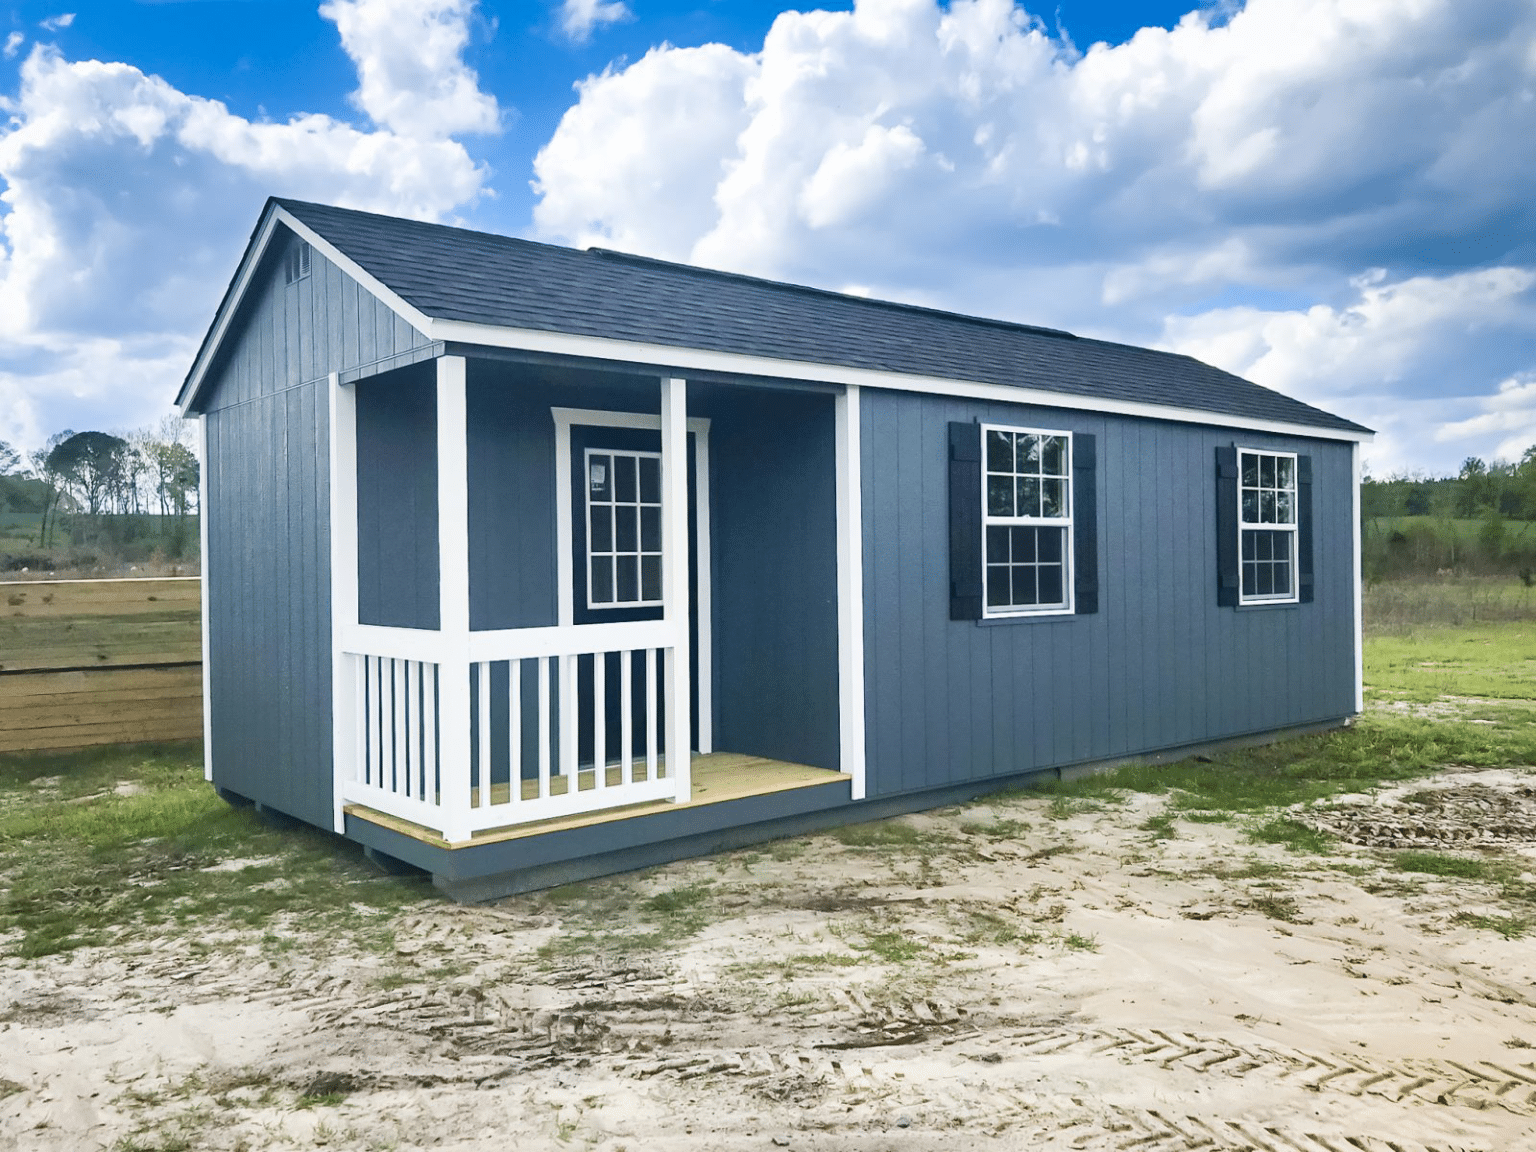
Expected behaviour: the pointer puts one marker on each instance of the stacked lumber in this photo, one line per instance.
(99, 662)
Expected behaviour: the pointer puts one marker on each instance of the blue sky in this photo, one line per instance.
(1332, 197)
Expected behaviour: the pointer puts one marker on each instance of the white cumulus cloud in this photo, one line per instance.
(125, 202)
(409, 57)
(54, 23)
(580, 18)
(959, 154)
(13, 44)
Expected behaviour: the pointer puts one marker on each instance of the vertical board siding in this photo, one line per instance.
(773, 533)
(1159, 666)
(397, 562)
(268, 505)
(511, 500)
(269, 599)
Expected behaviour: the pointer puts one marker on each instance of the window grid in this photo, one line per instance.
(623, 528)
(1267, 526)
(1027, 520)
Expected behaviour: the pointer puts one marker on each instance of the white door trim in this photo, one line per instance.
(565, 419)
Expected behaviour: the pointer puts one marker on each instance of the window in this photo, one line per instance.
(623, 528)
(297, 263)
(1267, 526)
(1026, 521)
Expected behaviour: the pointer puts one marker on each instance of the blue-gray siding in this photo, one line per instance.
(1160, 665)
(267, 505)
(773, 521)
(269, 611)
(397, 577)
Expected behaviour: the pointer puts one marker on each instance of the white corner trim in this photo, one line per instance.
(852, 749)
(674, 582)
(698, 359)
(225, 315)
(453, 596)
(1359, 582)
(202, 570)
(345, 750)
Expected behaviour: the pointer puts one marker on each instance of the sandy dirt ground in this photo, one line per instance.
(1021, 973)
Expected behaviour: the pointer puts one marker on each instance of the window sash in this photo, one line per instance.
(1051, 466)
(621, 563)
(1276, 481)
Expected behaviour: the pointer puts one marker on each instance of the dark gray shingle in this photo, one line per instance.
(457, 274)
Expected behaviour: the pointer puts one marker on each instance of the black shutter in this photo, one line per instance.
(1085, 524)
(1226, 527)
(964, 521)
(1304, 528)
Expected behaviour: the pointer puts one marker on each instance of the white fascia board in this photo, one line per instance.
(699, 359)
(280, 215)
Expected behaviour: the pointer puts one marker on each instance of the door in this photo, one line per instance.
(616, 555)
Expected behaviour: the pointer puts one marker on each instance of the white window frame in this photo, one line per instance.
(613, 554)
(1068, 554)
(1243, 525)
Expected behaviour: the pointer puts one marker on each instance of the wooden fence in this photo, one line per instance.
(99, 662)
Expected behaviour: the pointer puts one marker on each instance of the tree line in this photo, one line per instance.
(104, 490)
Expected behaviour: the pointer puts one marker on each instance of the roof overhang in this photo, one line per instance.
(672, 358)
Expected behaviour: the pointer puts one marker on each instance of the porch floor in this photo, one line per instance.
(716, 778)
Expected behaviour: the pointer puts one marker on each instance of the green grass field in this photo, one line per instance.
(112, 844)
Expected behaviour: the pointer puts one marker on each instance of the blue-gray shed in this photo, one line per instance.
(523, 563)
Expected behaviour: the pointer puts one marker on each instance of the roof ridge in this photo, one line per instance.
(832, 293)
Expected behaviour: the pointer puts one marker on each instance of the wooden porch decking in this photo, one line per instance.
(716, 778)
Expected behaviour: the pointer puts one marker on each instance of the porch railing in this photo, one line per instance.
(543, 723)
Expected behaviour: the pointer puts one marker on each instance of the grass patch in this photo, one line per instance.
(1509, 927)
(1443, 864)
(1293, 834)
(996, 829)
(1078, 942)
(1276, 906)
(1161, 827)
(117, 842)
(1487, 660)
(896, 833)
(891, 947)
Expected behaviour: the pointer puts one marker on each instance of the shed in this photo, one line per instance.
(524, 564)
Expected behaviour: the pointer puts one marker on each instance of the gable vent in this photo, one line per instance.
(298, 261)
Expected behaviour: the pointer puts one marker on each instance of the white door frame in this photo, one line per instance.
(565, 576)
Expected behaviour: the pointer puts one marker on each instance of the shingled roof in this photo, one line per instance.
(457, 274)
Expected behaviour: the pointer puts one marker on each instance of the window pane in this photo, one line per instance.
(1266, 471)
(999, 496)
(997, 545)
(1029, 453)
(1265, 585)
(650, 529)
(600, 477)
(602, 528)
(1250, 507)
(997, 585)
(1266, 507)
(626, 537)
(1282, 577)
(1249, 548)
(624, 488)
(1050, 584)
(1287, 472)
(1051, 541)
(1053, 497)
(602, 580)
(627, 584)
(1054, 456)
(1029, 496)
(1285, 508)
(1023, 545)
(1264, 544)
(1024, 591)
(999, 451)
(1250, 470)
(650, 480)
(1250, 579)
(650, 578)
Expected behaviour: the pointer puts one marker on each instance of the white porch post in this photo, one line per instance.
(674, 580)
(344, 696)
(850, 589)
(202, 568)
(453, 597)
